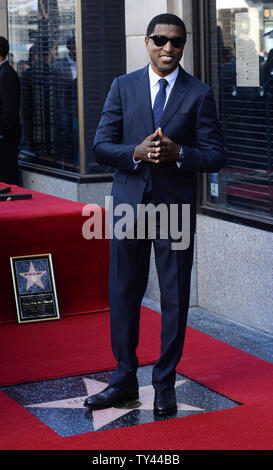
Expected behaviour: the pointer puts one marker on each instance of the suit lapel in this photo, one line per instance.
(143, 97)
(181, 88)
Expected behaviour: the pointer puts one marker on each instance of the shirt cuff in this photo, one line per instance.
(136, 163)
(180, 161)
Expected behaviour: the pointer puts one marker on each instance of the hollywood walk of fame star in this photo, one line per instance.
(103, 417)
(33, 277)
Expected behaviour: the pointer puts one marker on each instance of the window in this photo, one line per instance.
(241, 74)
(42, 44)
(58, 121)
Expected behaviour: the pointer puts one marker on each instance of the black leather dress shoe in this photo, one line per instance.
(110, 396)
(165, 402)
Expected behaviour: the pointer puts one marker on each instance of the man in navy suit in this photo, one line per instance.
(158, 129)
(9, 117)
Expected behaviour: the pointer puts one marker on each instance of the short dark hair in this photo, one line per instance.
(4, 47)
(166, 18)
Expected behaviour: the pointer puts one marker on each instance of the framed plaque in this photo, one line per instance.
(34, 288)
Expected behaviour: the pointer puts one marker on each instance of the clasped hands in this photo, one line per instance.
(157, 151)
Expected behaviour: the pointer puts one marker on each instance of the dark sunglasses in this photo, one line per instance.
(176, 42)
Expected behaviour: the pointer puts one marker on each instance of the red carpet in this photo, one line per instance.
(47, 224)
(71, 346)
(84, 347)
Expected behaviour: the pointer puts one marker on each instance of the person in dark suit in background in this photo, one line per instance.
(9, 117)
(159, 128)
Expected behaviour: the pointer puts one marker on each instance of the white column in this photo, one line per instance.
(137, 16)
(3, 19)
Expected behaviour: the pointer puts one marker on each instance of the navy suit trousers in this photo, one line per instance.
(129, 270)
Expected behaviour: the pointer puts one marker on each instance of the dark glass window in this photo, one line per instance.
(241, 51)
(58, 124)
(42, 40)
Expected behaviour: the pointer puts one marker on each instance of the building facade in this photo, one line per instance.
(67, 52)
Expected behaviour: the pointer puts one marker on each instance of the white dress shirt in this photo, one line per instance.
(154, 84)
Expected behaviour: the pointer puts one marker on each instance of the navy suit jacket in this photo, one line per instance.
(189, 119)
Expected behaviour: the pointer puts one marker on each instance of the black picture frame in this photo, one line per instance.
(34, 288)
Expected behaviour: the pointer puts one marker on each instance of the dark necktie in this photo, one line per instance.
(159, 102)
(157, 112)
